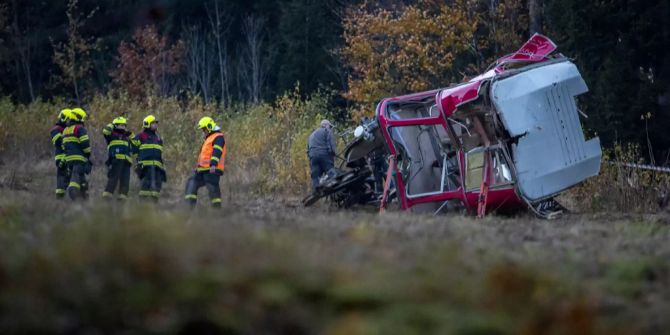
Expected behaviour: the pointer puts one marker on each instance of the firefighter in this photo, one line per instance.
(62, 175)
(77, 148)
(119, 157)
(321, 151)
(148, 147)
(210, 165)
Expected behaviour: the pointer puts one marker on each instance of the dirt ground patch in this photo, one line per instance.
(267, 265)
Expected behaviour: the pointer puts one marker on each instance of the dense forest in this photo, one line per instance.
(236, 52)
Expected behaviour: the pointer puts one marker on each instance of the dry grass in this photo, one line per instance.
(619, 188)
(271, 267)
(266, 265)
(266, 143)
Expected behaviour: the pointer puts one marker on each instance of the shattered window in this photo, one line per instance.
(427, 163)
(475, 170)
(405, 110)
(502, 175)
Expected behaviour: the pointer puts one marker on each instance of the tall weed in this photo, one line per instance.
(620, 188)
(266, 142)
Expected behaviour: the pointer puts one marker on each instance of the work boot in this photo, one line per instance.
(216, 203)
(73, 193)
(60, 193)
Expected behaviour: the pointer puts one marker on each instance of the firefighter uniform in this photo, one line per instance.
(210, 166)
(119, 158)
(77, 149)
(62, 175)
(148, 146)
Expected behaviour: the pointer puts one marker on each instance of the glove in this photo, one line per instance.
(60, 163)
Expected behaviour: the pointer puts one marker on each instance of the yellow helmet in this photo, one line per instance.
(79, 114)
(146, 123)
(206, 122)
(120, 120)
(64, 115)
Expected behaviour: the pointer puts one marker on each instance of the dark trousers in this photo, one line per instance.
(118, 174)
(62, 179)
(78, 185)
(152, 181)
(320, 164)
(209, 180)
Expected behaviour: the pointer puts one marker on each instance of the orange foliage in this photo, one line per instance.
(426, 45)
(408, 50)
(145, 62)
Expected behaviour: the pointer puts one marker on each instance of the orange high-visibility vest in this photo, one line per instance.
(206, 153)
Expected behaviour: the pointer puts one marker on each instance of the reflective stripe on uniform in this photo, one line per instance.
(56, 137)
(74, 184)
(152, 163)
(200, 169)
(83, 138)
(60, 157)
(155, 194)
(60, 191)
(218, 147)
(106, 195)
(117, 142)
(72, 158)
(70, 139)
(191, 197)
(151, 146)
(216, 200)
(123, 157)
(145, 193)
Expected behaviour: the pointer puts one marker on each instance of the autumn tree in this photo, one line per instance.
(412, 48)
(147, 63)
(502, 28)
(74, 56)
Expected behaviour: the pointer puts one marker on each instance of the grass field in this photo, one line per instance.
(266, 265)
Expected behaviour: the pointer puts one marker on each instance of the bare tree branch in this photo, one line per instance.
(220, 25)
(254, 65)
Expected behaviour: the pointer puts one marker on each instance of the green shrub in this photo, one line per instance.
(619, 188)
(266, 142)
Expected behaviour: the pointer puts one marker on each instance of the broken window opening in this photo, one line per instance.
(427, 162)
(474, 167)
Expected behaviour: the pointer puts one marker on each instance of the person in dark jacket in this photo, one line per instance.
(210, 165)
(148, 147)
(56, 133)
(119, 157)
(321, 150)
(77, 148)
